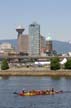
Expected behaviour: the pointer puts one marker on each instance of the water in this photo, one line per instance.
(12, 84)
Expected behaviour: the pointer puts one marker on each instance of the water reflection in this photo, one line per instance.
(68, 77)
(0, 78)
(5, 77)
(55, 77)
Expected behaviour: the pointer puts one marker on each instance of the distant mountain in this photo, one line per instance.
(59, 46)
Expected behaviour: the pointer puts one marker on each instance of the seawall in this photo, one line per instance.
(35, 72)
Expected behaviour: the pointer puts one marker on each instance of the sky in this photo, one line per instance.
(54, 17)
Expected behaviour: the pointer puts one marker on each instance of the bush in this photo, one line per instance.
(4, 64)
(67, 65)
(55, 65)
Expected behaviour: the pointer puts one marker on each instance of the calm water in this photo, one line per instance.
(12, 84)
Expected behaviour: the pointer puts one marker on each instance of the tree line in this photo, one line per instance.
(55, 64)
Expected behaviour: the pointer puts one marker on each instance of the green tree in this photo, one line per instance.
(4, 64)
(55, 65)
(67, 65)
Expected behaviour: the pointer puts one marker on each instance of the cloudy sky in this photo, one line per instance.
(54, 17)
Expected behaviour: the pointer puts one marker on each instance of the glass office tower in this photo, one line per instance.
(34, 39)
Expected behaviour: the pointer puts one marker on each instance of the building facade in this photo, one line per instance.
(25, 43)
(6, 48)
(49, 46)
(20, 30)
(34, 39)
(42, 44)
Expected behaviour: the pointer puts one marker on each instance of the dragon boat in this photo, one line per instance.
(38, 92)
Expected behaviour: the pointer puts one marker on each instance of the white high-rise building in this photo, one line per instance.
(34, 39)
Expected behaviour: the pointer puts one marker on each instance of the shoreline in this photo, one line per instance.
(35, 72)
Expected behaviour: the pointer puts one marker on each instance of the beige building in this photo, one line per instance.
(20, 30)
(24, 43)
(49, 46)
(42, 44)
(6, 48)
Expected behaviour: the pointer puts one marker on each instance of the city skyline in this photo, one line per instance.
(53, 16)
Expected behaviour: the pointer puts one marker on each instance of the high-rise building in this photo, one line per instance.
(49, 46)
(34, 39)
(25, 39)
(20, 30)
(42, 44)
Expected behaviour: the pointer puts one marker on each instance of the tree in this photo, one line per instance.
(4, 64)
(55, 65)
(67, 65)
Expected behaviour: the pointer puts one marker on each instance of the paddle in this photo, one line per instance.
(66, 91)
